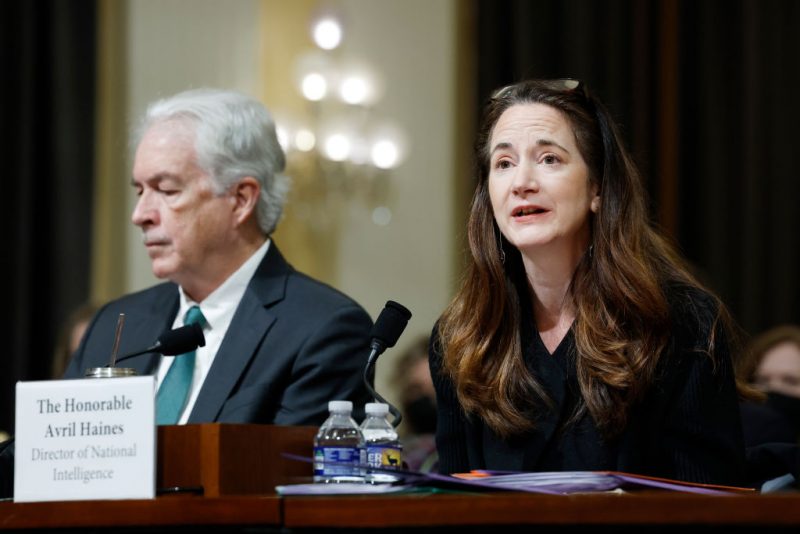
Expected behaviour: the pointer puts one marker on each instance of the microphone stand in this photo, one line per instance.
(111, 370)
(373, 356)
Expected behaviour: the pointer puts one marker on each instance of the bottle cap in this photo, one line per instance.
(376, 408)
(340, 406)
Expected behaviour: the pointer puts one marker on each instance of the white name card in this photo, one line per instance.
(85, 439)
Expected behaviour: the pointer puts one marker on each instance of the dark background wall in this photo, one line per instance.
(47, 57)
(705, 92)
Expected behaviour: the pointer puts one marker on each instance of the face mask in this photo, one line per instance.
(787, 406)
(420, 414)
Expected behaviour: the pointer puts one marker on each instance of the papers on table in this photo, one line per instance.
(345, 488)
(548, 482)
(566, 482)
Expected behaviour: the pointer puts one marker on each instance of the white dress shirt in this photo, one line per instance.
(218, 309)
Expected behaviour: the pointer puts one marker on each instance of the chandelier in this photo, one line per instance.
(340, 153)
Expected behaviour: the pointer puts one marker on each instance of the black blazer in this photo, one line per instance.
(686, 428)
(293, 345)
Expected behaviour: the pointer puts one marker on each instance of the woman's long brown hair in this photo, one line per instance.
(622, 322)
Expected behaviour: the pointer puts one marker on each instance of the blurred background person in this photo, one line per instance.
(69, 337)
(777, 352)
(412, 377)
(773, 366)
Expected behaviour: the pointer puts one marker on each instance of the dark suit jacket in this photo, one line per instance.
(293, 345)
(686, 428)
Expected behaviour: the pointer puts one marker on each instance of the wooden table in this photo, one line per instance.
(668, 511)
(163, 511)
(505, 509)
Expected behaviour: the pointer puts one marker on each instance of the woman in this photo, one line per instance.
(773, 361)
(772, 365)
(578, 339)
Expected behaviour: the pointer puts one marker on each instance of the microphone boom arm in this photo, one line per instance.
(173, 342)
(398, 417)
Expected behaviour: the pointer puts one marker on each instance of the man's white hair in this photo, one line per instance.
(234, 137)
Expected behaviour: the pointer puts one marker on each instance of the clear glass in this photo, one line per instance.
(109, 372)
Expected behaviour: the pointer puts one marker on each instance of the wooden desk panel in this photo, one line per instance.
(163, 511)
(527, 509)
(668, 510)
(226, 459)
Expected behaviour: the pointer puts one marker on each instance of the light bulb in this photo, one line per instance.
(314, 86)
(327, 34)
(304, 140)
(283, 137)
(381, 215)
(354, 90)
(337, 147)
(385, 154)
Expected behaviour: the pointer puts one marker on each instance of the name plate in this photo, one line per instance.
(85, 439)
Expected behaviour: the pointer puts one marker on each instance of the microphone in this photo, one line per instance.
(174, 342)
(388, 327)
(385, 332)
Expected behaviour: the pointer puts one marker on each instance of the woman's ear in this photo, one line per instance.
(595, 205)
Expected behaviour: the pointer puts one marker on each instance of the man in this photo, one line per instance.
(279, 345)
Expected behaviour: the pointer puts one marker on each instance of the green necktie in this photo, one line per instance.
(174, 390)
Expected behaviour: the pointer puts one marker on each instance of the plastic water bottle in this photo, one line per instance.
(339, 440)
(381, 443)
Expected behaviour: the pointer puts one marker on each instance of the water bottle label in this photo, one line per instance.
(346, 461)
(383, 456)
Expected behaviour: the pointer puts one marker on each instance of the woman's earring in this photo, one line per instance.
(500, 244)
